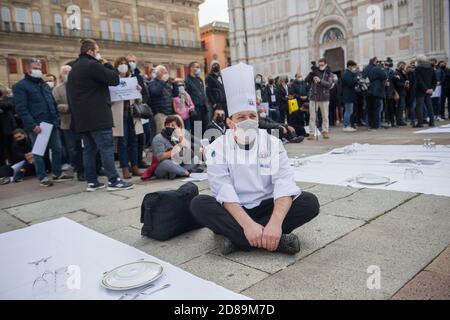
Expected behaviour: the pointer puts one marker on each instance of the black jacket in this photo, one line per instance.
(399, 81)
(215, 90)
(377, 77)
(267, 96)
(88, 94)
(425, 79)
(282, 97)
(349, 81)
(7, 120)
(161, 94)
(19, 149)
(196, 89)
(299, 89)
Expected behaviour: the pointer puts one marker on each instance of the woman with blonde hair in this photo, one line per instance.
(126, 128)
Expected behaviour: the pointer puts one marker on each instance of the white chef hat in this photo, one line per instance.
(239, 84)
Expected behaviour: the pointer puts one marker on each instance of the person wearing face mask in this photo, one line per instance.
(90, 103)
(270, 96)
(218, 126)
(170, 145)
(71, 138)
(214, 87)
(35, 104)
(183, 105)
(349, 82)
(50, 79)
(162, 91)
(320, 80)
(195, 87)
(256, 202)
(282, 97)
(126, 128)
(400, 82)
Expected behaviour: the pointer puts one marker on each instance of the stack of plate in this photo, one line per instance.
(132, 275)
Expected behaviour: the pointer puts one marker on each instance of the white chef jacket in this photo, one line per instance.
(250, 176)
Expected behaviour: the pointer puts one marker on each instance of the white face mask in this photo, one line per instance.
(198, 71)
(263, 115)
(165, 77)
(181, 89)
(98, 56)
(36, 73)
(246, 131)
(51, 84)
(123, 68)
(133, 66)
(322, 68)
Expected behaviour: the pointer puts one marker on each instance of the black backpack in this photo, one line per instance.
(166, 214)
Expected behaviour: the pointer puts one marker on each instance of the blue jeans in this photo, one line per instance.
(128, 145)
(102, 141)
(73, 141)
(54, 144)
(348, 114)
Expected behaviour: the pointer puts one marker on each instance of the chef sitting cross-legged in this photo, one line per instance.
(256, 202)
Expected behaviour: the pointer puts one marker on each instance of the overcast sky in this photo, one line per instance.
(213, 10)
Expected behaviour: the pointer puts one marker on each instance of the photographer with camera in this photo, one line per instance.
(376, 92)
(320, 80)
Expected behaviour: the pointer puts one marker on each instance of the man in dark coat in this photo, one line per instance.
(7, 123)
(425, 84)
(376, 91)
(196, 88)
(35, 104)
(214, 88)
(90, 103)
(349, 81)
(269, 96)
(400, 83)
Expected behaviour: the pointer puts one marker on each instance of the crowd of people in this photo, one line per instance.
(90, 133)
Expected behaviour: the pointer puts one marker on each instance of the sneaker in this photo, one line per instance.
(46, 182)
(325, 135)
(311, 137)
(289, 244)
(63, 177)
(227, 247)
(91, 187)
(66, 167)
(438, 118)
(120, 185)
(349, 129)
(4, 180)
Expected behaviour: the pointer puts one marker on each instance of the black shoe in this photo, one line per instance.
(227, 247)
(298, 139)
(91, 187)
(289, 244)
(81, 177)
(120, 185)
(101, 173)
(431, 125)
(402, 124)
(417, 126)
(196, 170)
(143, 165)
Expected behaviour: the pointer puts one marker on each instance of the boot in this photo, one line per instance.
(135, 171)
(126, 173)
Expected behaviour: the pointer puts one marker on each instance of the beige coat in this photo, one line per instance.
(117, 111)
(59, 93)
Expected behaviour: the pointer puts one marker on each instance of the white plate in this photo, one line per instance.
(372, 179)
(132, 275)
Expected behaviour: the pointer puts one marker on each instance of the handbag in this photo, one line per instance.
(293, 105)
(141, 110)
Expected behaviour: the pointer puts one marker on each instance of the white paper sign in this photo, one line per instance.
(437, 92)
(40, 145)
(126, 90)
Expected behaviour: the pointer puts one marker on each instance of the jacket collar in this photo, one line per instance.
(86, 56)
(33, 79)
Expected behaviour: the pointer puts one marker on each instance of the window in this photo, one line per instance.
(163, 35)
(104, 29)
(142, 33)
(192, 38)
(12, 65)
(37, 21)
(153, 34)
(175, 37)
(264, 47)
(129, 32)
(87, 28)
(117, 30)
(21, 19)
(286, 42)
(184, 38)
(6, 19)
(58, 25)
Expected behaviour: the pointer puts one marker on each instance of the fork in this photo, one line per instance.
(150, 293)
(137, 293)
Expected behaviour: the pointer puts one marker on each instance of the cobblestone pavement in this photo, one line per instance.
(406, 235)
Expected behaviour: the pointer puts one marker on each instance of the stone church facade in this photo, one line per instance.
(284, 36)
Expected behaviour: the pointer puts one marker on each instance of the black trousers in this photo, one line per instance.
(422, 102)
(211, 214)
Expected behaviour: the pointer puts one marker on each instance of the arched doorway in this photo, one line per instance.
(335, 59)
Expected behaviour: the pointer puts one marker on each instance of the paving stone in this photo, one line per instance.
(426, 286)
(77, 216)
(441, 264)
(129, 235)
(58, 206)
(313, 236)
(103, 208)
(430, 205)
(367, 203)
(309, 281)
(182, 248)
(329, 193)
(226, 273)
(114, 221)
(9, 222)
